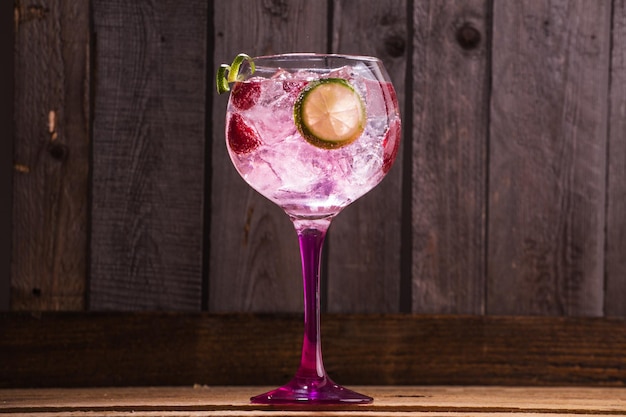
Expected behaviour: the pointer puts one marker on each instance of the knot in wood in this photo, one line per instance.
(277, 8)
(468, 36)
(395, 45)
(58, 151)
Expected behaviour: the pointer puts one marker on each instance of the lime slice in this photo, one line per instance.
(230, 73)
(329, 113)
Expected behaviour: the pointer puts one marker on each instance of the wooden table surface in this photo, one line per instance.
(388, 401)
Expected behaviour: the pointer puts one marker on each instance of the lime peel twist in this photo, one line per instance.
(227, 74)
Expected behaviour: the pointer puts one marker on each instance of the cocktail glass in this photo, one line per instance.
(312, 133)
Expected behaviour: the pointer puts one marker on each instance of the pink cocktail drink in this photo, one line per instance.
(312, 133)
(272, 156)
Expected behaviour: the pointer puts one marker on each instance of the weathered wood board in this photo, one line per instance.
(547, 158)
(388, 401)
(50, 156)
(146, 230)
(449, 149)
(149, 349)
(615, 289)
(7, 73)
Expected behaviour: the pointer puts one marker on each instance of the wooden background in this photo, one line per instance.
(508, 196)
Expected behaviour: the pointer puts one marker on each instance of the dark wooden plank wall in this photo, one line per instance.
(51, 155)
(449, 148)
(148, 155)
(6, 149)
(548, 148)
(615, 292)
(72, 349)
(508, 197)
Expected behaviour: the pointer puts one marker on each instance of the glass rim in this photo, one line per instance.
(305, 55)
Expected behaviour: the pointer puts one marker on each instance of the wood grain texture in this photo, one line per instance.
(364, 240)
(515, 159)
(51, 155)
(255, 261)
(450, 96)
(148, 349)
(388, 401)
(148, 155)
(615, 290)
(7, 73)
(548, 158)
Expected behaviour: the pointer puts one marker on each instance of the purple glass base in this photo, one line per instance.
(299, 391)
(311, 385)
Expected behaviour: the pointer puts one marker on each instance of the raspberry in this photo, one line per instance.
(241, 137)
(391, 143)
(245, 95)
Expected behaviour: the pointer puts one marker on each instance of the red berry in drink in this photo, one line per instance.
(391, 143)
(242, 138)
(245, 94)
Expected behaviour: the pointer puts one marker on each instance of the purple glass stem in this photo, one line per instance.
(311, 239)
(311, 384)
